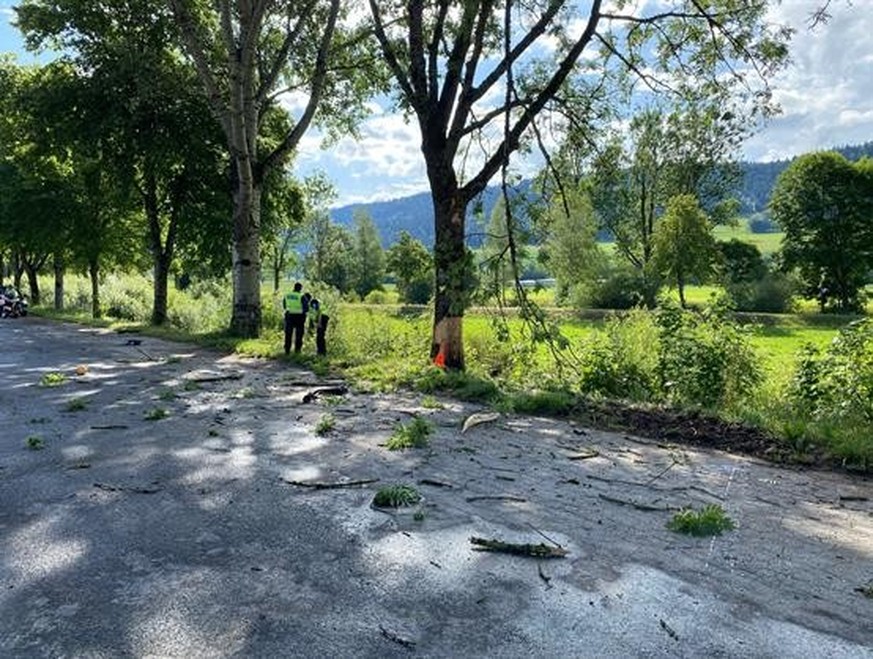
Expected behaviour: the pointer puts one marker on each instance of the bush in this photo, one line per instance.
(773, 293)
(127, 297)
(619, 288)
(205, 306)
(762, 224)
(838, 385)
(621, 361)
(376, 297)
(704, 359)
(418, 291)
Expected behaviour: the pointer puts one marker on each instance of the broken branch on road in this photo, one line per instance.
(518, 549)
(321, 485)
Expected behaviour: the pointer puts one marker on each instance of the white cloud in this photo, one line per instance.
(824, 93)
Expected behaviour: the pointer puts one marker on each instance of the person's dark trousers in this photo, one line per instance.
(320, 345)
(294, 324)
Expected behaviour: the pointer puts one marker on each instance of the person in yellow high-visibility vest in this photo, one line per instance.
(295, 305)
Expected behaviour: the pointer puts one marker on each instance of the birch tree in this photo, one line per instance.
(248, 53)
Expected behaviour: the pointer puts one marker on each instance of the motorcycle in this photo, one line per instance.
(12, 305)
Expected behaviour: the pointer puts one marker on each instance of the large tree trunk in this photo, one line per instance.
(246, 318)
(162, 275)
(452, 269)
(94, 275)
(161, 248)
(59, 271)
(680, 284)
(276, 270)
(32, 281)
(17, 270)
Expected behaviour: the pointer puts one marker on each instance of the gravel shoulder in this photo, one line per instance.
(228, 527)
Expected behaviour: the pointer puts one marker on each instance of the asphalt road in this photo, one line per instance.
(161, 503)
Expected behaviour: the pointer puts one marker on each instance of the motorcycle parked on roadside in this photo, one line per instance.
(12, 304)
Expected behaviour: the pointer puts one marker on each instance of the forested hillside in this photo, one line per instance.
(414, 214)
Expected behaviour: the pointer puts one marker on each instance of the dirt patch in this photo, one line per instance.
(694, 428)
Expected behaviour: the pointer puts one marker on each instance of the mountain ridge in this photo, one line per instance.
(414, 213)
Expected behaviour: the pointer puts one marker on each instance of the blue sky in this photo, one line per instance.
(826, 95)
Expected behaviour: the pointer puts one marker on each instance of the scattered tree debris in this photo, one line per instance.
(148, 489)
(853, 497)
(479, 418)
(79, 465)
(536, 551)
(434, 483)
(585, 456)
(394, 638)
(311, 395)
(639, 506)
(497, 497)
(321, 485)
(211, 376)
(866, 591)
(547, 579)
(147, 355)
(113, 426)
(662, 472)
(667, 628)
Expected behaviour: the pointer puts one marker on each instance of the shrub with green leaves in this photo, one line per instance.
(127, 297)
(621, 361)
(704, 359)
(838, 384)
(414, 434)
(396, 496)
(710, 520)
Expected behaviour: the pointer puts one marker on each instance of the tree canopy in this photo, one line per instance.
(824, 203)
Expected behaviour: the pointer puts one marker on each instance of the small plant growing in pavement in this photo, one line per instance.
(77, 405)
(34, 443)
(396, 496)
(431, 403)
(156, 414)
(167, 394)
(710, 520)
(414, 434)
(325, 424)
(53, 379)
